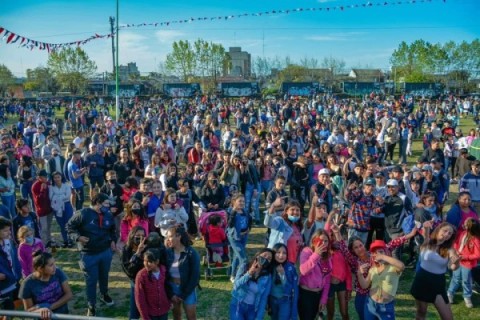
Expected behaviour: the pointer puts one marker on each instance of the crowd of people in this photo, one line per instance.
(328, 178)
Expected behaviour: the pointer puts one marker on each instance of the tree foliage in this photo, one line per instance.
(423, 61)
(200, 59)
(41, 79)
(6, 79)
(71, 67)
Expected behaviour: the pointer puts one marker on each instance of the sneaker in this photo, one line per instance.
(468, 302)
(232, 279)
(91, 311)
(107, 300)
(450, 298)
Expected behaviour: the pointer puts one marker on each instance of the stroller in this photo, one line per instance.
(213, 226)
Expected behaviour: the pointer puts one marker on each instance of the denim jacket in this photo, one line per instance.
(290, 288)
(189, 267)
(240, 291)
(12, 273)
(280, 230)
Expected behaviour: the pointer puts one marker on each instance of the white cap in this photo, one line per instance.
(392, 182)
(324, 171)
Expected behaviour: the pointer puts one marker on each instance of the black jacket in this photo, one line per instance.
(86, 222)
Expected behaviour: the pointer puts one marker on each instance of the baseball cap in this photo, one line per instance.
(370, 181)
(397, 169)
(324, 171)
(427, 167)
(377, 244)
(392, 182)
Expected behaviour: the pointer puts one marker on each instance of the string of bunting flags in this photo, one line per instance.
(11, 37)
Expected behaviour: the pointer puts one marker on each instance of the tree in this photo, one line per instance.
(71, 68)
(337, 66)
(6, 79)
(41, 79)
(181, 61)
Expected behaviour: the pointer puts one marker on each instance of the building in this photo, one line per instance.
(367, 75)
(128, 72)
(240, 63)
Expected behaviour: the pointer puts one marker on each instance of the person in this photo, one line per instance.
(315, 274)
(151, 288)
(461, 210)
(95, 164)
(212, 194)
(46, 290)
(43, 208)
(132, 254)
(25, 217)
(10, 269)
(382, 279)
(470, 182)
(183, 264)
(171, 213)
(286, 229)
(436, 255)
(93, 229)
(134, 216)
(56, 163)
(317, 217)
(252, 287)
(26, 175)
(239, 226)
(60, 194)
(467, 246)
(216, 236)
(76, 175)
(114, 190)
(7, 189)
(283, 297)
(28, 245)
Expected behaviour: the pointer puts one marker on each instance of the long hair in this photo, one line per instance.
(289, 205)
(317, 235)
(275, 263)
(443, 248)
(179, 230)
(131, 235)
(265, 271)
(461, 194)
(128, 210)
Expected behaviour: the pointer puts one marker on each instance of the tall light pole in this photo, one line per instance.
(117, 99)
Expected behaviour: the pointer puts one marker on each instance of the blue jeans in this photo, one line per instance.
(9, 202)
(252, 201)
(379, 311)
(371, 151)
(26, 190)
(239, 255)
(360, 300)
(62, 221)
(281, 308)
(402, 152)
(134, 314)
(241, 311)
(95, 269)
(266, 186)
(461, 276)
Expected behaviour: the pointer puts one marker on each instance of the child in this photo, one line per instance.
(28, 246)
(383, 277)
(283, 297)
(150, 291)
(467, 245)
(170, 213)
(154, 202)
(9, 266)
(216, 235)
(427, 138)
(25, 217)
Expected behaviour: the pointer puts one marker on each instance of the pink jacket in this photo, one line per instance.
(127, 224)
(471, 251)
(25, 255)
(315, 273)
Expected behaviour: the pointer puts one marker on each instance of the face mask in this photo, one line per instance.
(104, 209)
(293, 218)
(29, 239)
(113, 181)
(263, 262)
(137, 212)
(137, 240)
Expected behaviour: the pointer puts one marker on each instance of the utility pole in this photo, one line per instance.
(112, 21)
(117, 98)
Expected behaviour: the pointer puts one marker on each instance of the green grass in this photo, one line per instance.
(215, 295)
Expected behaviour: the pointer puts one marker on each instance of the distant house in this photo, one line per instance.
(320, 74)
(366, 75)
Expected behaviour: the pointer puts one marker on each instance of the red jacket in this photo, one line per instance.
(194, 156)
(150, 294)
(471, 251)
(41, 200)
(216, 235)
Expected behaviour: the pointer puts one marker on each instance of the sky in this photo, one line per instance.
(362, 37)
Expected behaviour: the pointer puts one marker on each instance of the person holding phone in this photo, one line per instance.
(315, 274)
(252, 287)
